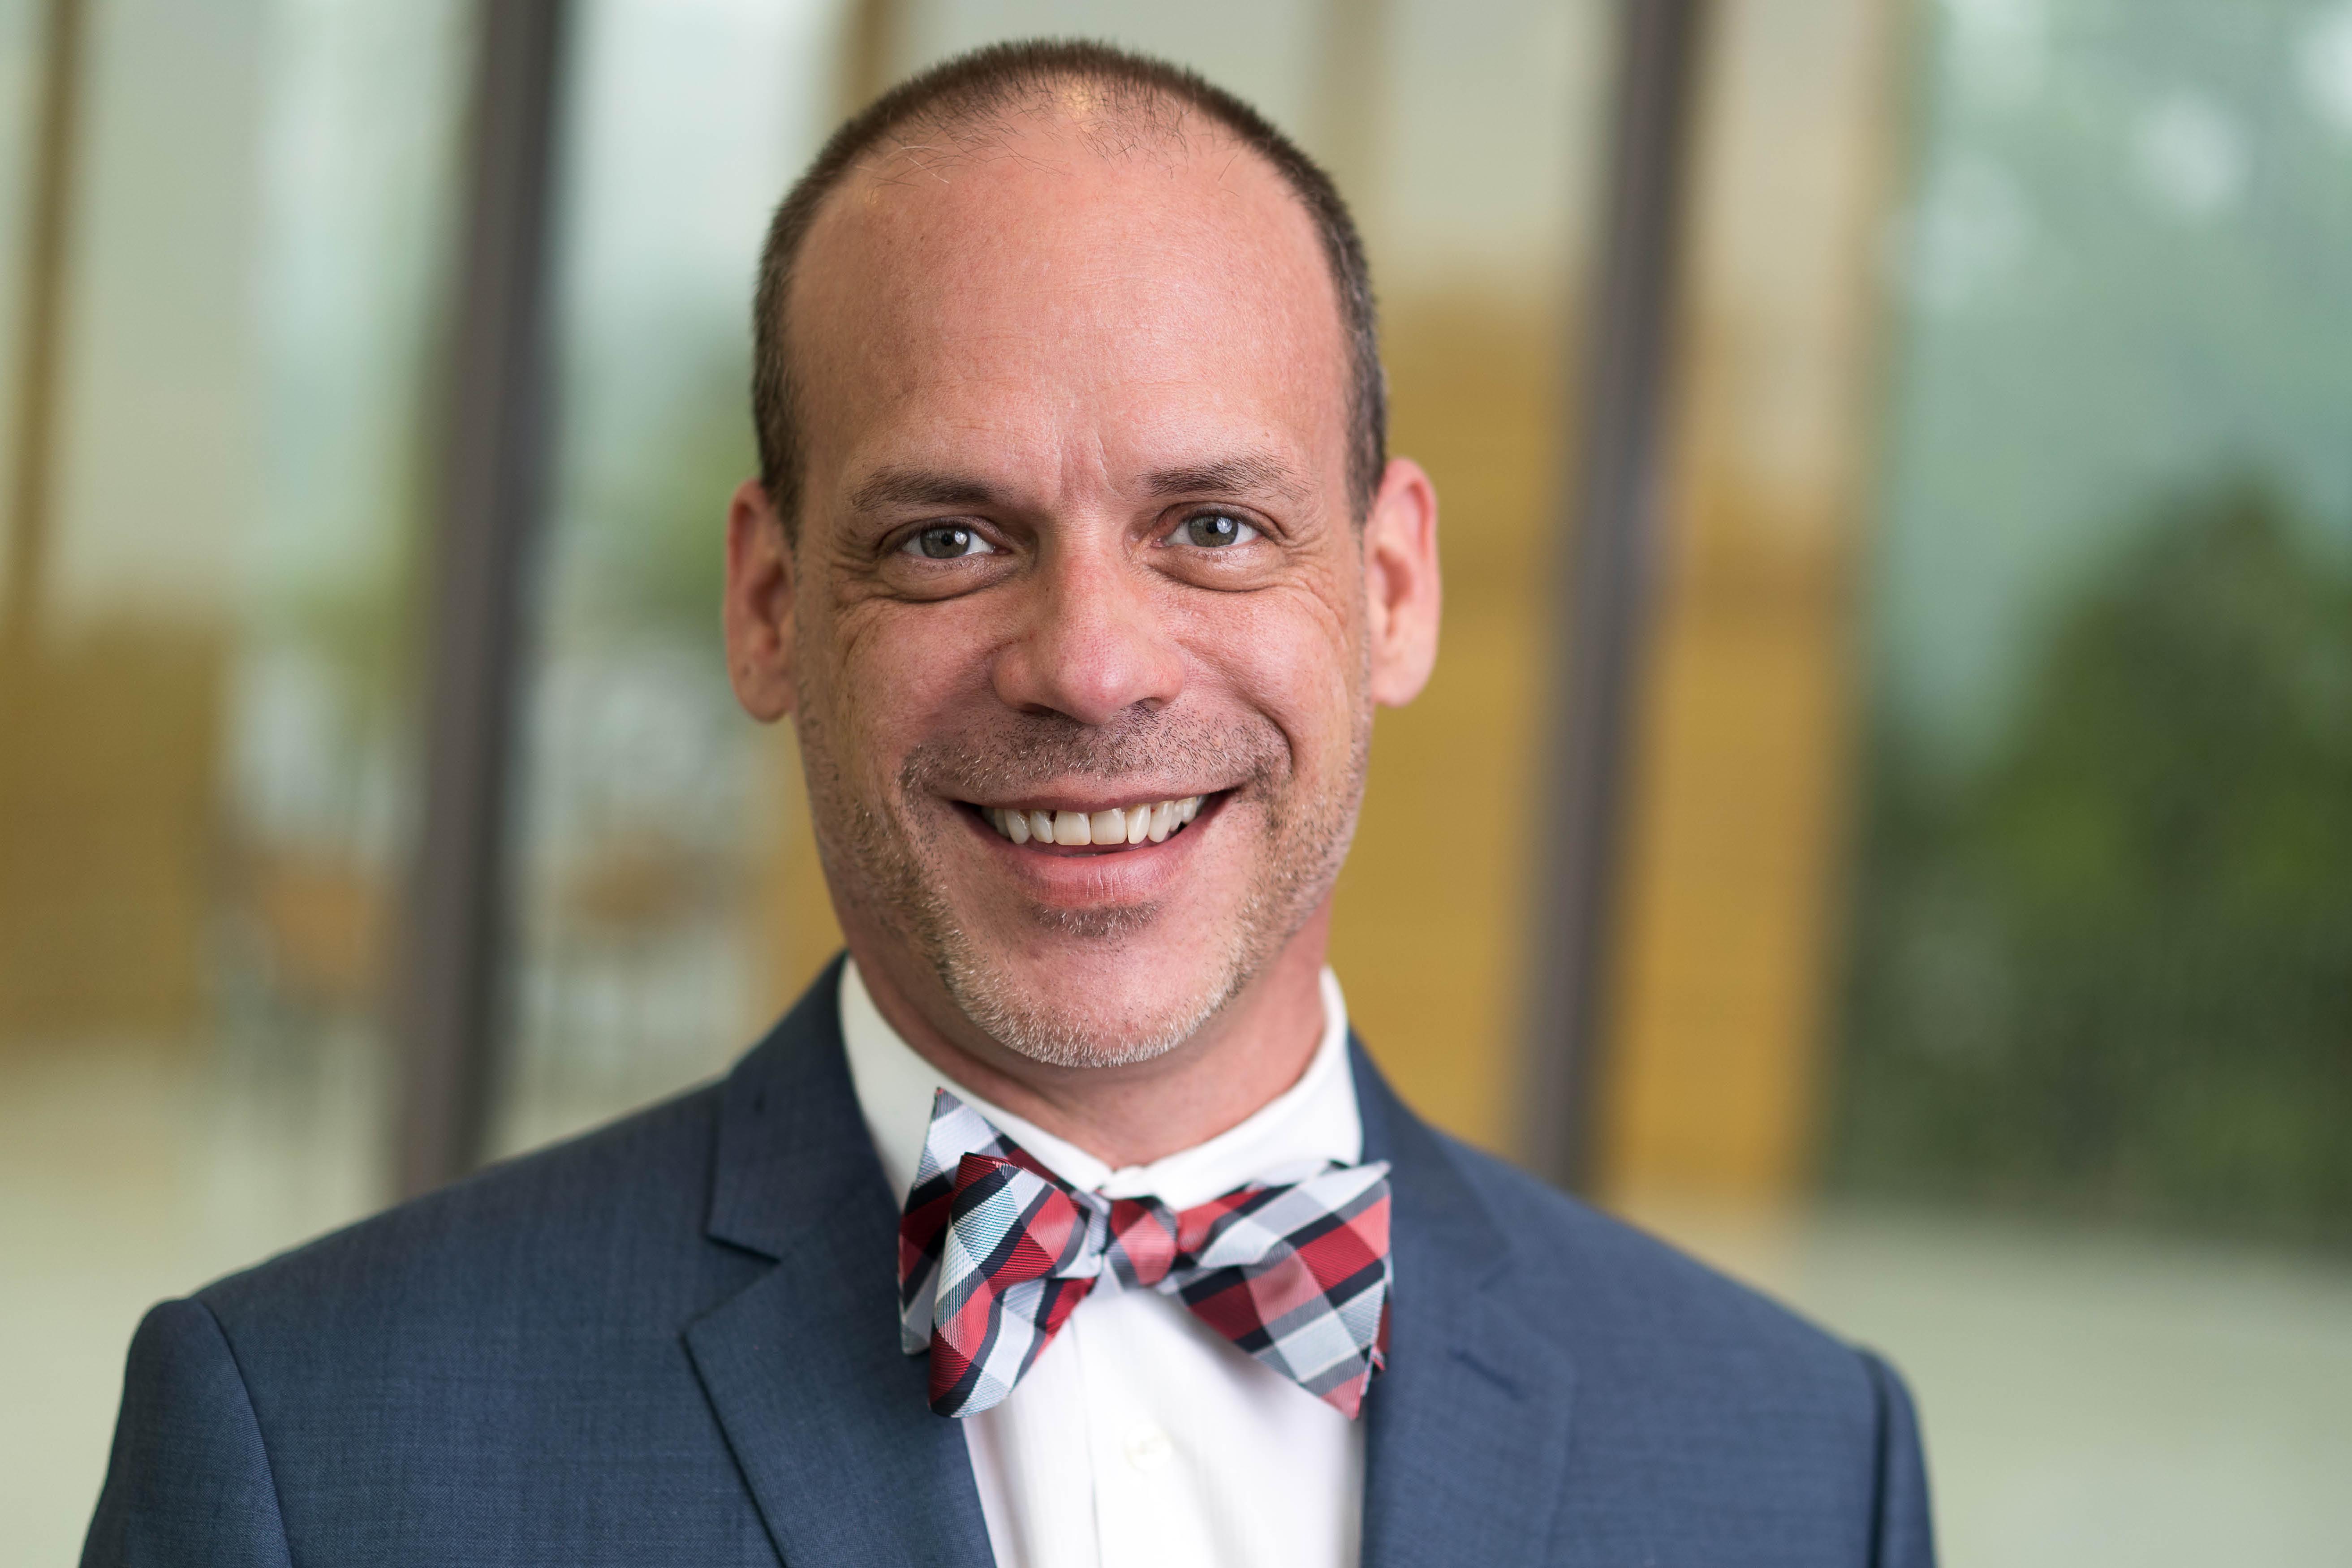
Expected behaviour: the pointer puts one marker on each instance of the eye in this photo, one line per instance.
(946, 541)
(1214, 530)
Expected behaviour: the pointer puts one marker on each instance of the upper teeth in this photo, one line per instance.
(1130, 824)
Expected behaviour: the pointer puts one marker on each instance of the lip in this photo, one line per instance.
(1083, 876)
(1090, 804)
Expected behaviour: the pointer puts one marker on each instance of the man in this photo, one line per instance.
(1063, 1222)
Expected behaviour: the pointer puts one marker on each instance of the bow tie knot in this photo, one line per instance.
(994, 1258)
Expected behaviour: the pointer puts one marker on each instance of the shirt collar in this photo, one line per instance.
(1312, 1123)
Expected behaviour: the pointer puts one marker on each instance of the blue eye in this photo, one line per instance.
(946, 541)
(1216, 529)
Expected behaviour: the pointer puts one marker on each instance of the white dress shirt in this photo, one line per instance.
(1142, 1436)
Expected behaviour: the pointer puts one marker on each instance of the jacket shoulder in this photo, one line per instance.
(1748, 1427)
(189, 1481)
(1597, 1277)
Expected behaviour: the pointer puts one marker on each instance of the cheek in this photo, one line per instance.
(1294, 655)
(896, 673)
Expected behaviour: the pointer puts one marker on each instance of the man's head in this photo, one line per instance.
(1126, 103)
(1074, 502)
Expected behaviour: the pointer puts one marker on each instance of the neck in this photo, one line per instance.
(1255, 1047)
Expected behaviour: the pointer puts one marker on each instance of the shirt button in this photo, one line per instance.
(1149, 1449)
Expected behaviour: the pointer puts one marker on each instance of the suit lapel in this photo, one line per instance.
(824, 1411)
(1466, 1434)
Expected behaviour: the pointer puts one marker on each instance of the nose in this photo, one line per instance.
(1097, 640)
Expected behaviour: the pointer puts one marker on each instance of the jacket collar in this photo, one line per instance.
(828, 1417)
(1466, 1434)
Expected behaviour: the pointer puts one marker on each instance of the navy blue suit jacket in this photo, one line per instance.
(676, 1341)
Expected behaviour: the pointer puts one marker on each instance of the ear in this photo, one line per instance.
(1401, 583)
(759, 606)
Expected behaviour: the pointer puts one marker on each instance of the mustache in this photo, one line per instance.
(1017, 752)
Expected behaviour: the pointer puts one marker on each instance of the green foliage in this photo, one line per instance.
(2110, 971)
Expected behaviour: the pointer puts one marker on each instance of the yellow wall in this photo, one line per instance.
(108, 751)
(1430, 934)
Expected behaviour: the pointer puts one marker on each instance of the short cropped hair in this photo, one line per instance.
(1137, 91)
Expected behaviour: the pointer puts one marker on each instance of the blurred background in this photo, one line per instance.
(1958, 793)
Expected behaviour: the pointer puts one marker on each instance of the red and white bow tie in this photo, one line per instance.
(994, 1252)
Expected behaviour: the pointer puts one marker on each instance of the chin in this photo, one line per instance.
(1083, 1009)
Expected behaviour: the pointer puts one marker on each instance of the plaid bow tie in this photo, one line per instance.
(994, 1252)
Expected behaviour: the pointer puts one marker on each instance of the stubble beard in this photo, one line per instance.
(879, 856)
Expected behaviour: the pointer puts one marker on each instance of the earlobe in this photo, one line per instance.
(1401, 583)
(759, 606)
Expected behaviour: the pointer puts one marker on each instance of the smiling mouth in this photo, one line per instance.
(1118, 827)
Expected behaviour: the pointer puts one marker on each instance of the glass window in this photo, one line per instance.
(2100, 987)
(1987, 961)
(206, 757)
(653, 812)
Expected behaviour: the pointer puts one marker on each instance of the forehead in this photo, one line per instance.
(1055, 267)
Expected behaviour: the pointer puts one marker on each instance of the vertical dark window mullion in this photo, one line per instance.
(494, 458)
(55, 143)
(1615, 545)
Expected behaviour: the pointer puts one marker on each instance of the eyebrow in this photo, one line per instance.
(921, 488)
(1246, 474)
